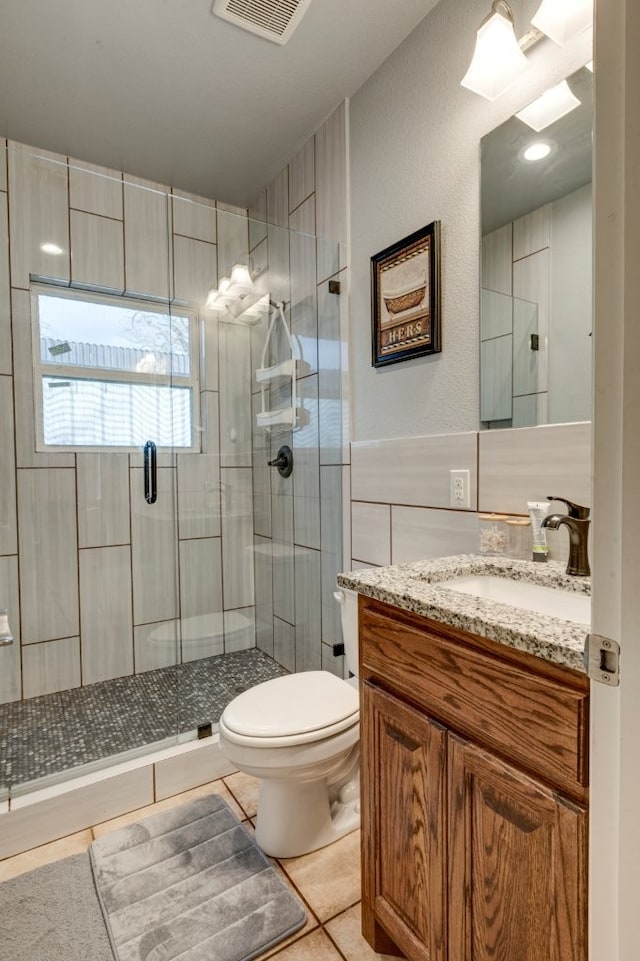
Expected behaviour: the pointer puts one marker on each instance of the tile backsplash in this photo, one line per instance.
(413, 471)
(400, 488)
(516, 466)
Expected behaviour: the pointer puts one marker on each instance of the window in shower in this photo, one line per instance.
(112, 372)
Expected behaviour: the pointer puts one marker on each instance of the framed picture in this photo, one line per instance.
(405, 298)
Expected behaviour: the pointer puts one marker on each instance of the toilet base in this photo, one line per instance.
(296, 817)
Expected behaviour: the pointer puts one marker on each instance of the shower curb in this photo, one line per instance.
(50, 813)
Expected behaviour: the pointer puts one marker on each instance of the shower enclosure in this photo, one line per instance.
(152, 563)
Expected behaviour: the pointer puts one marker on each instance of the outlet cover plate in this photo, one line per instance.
(460, 483)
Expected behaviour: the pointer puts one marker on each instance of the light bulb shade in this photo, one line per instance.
(6, 637)
(260, 307)
(554, 103)
(561, 20)
(212, 298)
(220, 298)
(241, 282)
(497, 59)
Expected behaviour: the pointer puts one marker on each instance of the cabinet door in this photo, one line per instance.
(517, 864)
(403, 772)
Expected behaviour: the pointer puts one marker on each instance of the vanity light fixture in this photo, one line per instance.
(554, 103)
(258, 309)
(562, 20)
(498, 59)
(235, 295)
(218, 297)
(537, 151)
(241, 282)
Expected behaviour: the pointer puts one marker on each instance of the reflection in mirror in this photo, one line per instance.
(536, 311)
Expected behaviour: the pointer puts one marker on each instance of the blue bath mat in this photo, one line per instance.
(191, 883)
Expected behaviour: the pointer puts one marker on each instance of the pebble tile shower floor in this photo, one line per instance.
(57, 732)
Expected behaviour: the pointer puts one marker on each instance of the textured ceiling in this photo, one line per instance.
(165, 90)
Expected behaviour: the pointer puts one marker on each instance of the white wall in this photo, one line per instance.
(415, 157)
(614, 868)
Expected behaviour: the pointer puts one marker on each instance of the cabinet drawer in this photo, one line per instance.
(536, 721)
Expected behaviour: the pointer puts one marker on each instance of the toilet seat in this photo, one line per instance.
(290, 710)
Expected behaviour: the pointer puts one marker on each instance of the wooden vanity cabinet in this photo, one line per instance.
(474, 785)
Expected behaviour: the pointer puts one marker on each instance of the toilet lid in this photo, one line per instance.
(294, 704)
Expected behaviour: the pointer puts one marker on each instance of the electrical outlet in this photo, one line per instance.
(459, 488)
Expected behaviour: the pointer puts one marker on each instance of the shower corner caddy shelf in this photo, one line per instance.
(285, 418)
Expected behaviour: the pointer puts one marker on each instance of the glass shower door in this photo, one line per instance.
(89, 537)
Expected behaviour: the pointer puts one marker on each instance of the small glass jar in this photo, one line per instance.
(519, 537)
(492, 533)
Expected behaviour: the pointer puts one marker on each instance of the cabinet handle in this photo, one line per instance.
(150, 473)
(401, 738)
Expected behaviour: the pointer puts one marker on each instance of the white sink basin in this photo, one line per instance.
(532, 597)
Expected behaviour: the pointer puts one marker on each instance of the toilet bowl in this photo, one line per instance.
(299, 735)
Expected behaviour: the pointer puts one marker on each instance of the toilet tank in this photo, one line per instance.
(348, 601)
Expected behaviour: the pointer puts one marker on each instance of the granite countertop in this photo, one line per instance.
(414, 587)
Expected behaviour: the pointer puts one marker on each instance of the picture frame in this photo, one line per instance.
(405, 298)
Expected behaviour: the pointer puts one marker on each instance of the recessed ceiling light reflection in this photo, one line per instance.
(536, 151)
(54, 249)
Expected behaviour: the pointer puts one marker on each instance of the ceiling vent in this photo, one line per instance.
(274, 20)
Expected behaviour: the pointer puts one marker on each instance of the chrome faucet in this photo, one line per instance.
(576, 520)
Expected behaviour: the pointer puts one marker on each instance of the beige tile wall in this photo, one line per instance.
(299, 521)
(412, 470)
(517, 466)
(400, 488)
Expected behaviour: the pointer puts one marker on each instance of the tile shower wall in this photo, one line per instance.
(299, 521)
(98, 583)
(400, 488)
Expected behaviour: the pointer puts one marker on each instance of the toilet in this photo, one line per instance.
(299, 734)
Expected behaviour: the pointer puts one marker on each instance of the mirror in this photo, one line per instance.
(536, 302)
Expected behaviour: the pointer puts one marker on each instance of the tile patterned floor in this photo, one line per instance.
(327, 881)
(58, 732)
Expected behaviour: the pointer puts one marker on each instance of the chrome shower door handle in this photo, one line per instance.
(150, 473)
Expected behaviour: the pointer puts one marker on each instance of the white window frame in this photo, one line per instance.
(101, 374)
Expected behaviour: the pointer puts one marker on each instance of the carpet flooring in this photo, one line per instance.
(53, 914)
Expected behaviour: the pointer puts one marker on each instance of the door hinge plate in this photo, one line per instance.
(602, 659)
